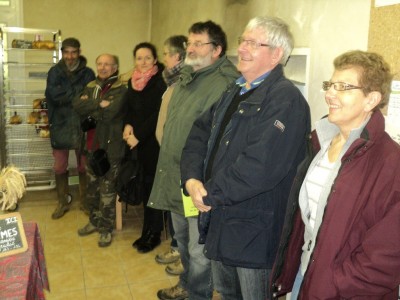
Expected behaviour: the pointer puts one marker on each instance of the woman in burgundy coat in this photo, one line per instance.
(341, 238)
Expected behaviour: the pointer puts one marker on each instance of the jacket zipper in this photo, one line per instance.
(297, 180)
(347, 160)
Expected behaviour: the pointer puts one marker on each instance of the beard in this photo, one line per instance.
(199, 62)
(71, 64)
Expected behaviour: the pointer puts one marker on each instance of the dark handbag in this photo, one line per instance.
(98, 162)
(129, 185)
(88, 123)
(98, 159)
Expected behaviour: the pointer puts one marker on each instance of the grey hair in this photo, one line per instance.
(277, 34)
(176, 44)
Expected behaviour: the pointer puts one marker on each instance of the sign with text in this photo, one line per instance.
(386, 2)
(12, 234)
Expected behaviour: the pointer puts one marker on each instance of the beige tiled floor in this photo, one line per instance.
(79, 269)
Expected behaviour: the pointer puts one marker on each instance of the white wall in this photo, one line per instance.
(327, 27)
(335, 27)
(12, 15)
(100, 25)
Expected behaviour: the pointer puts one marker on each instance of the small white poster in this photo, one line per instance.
(392, 125)
(386, 2)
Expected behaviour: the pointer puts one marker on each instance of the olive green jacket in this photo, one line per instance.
(109, 119)
(194, 93)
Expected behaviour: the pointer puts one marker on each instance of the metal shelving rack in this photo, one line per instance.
(24, 64)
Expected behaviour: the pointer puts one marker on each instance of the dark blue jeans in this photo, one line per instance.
(234, 283)
(174, 243)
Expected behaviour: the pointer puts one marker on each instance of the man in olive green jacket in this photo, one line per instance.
(206, 75)
(103, 99)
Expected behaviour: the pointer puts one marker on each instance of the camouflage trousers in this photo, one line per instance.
(101, 196)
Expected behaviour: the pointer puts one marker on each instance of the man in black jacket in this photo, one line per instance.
(240, 159)
(65, 80)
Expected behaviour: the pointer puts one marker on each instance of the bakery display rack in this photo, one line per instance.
(26, 56)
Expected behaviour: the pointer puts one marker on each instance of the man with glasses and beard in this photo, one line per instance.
(205, 76)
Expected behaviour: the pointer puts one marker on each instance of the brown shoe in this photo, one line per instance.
(89, 228)
(168, 257)
(105, 239)
(174, 293)
(175, 269)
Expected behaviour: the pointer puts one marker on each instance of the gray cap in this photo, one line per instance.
(70, 42)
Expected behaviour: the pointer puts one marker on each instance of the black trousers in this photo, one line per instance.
(153, 218)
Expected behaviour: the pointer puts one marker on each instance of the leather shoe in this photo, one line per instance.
(175, 269)
(145, 236)
(149, 242)
(137, 242)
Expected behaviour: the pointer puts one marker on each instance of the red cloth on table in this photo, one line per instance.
(24, 275)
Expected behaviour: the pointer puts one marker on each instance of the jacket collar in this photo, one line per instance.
(259, 94)
(367, 136)
(326, 131)
(373, 131)
(115, 80)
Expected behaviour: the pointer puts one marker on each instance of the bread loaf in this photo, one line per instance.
(37, 103)
(44, 133)
(43, 45)
(15, 119)
(33, 117)
(44, 119)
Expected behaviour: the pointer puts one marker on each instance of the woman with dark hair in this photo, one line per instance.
(143, 100)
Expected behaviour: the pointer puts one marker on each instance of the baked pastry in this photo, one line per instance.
(37, 103)
(44, 119)
(15, 119)
(44, 133)
(33, 117)
(43, 45)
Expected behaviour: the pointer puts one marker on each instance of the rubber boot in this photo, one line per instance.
(64, 198)
(84, 206)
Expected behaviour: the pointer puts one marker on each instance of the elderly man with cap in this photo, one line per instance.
(65, 80)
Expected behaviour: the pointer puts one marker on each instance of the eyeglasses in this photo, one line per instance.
(196, 44)
(253, 44)
(339, 86)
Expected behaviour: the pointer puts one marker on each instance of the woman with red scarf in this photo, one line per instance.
(143, 100)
